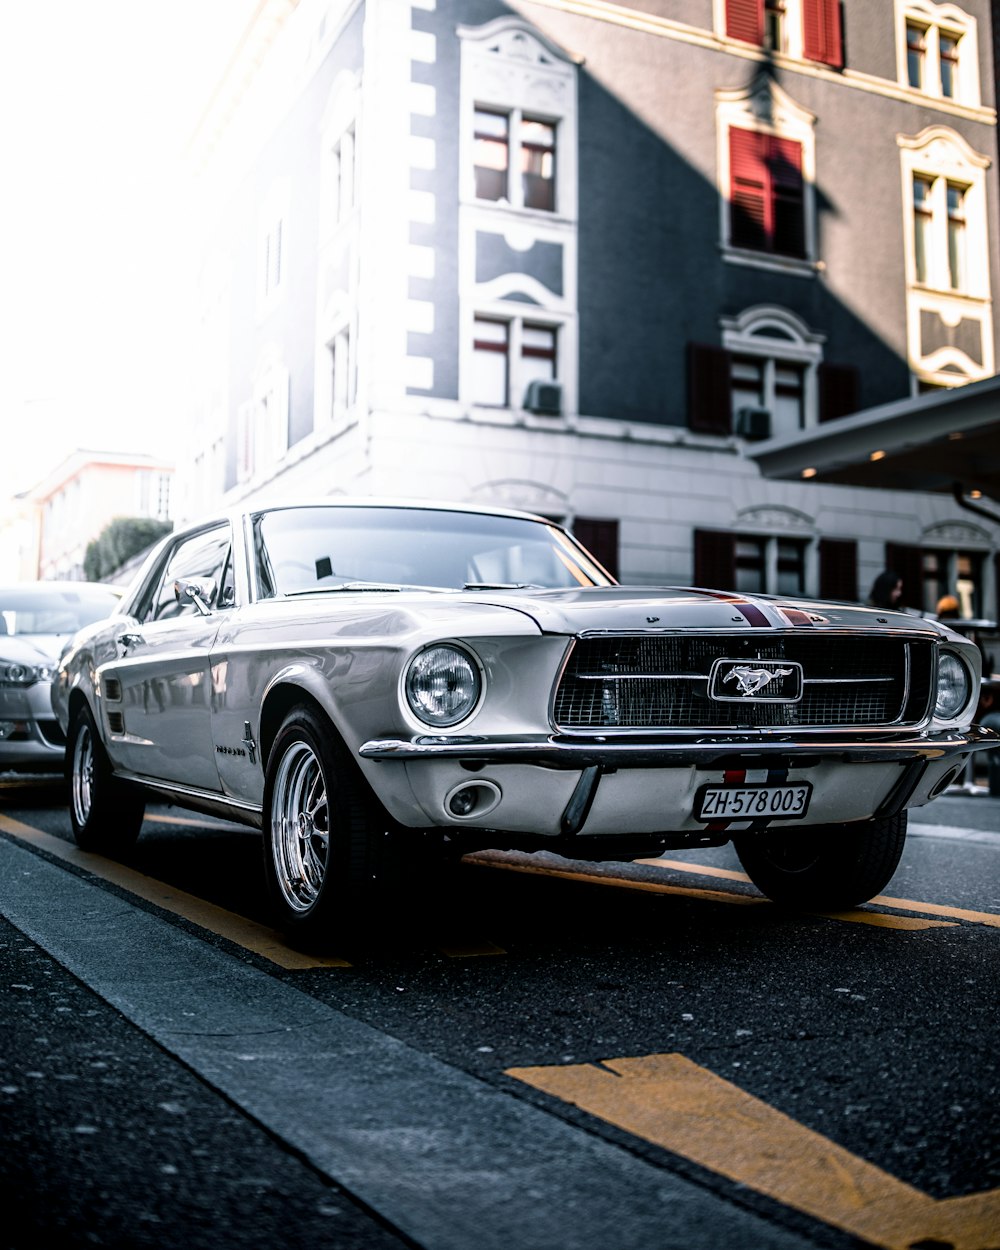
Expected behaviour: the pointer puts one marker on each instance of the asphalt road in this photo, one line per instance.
(540, 1054)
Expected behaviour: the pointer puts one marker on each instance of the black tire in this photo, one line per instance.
(828, 868)
(332, 854)
(106, 813)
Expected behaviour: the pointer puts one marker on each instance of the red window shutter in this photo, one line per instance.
(749, 190)
(839, 391)
(714, 559)
(600, 536)
(709, 391)
(838, 569)
(766, 193)
(822, 32)
(745, 20)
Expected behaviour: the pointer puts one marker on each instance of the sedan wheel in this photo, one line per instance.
(300, 816)
(831, 867)
(106, 813)
(331, 851)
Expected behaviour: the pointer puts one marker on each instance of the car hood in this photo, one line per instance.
(31, 648)
(631, 609)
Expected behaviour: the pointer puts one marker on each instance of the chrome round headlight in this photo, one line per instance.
(953, 686)
(442, 685)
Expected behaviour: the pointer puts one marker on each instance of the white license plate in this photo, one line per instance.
(752, 802)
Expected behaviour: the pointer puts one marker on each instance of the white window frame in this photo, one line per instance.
(775, 335)
(938, 19)
(338, 337)
(262, 424)
(272, 249)
(515, 316)
(508, 67)
(766, 109)
(340, 156)
(942, 156)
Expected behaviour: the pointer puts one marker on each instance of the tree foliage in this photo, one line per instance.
(118, 542)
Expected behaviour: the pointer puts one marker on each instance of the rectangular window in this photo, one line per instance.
(506, 141)
(923, 226)
(791, 567)
(342, 176)
(956, 236)
(538, 354)
(747, 383)
(916, 55)
(491, 359)
(492, 154)
(751, 565)
(948, 56)
(272, 258)
(774, 25)
(767, 196)
(538, 164)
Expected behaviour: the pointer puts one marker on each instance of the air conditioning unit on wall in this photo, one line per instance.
(545, 398)
(753, 424)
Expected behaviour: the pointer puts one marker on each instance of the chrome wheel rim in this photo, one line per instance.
(300, 827)
(83, 775)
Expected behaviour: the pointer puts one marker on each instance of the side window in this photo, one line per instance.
(205, 555)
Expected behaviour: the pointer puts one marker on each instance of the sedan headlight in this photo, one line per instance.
(953, 686)
(442, 685)
(14, 674)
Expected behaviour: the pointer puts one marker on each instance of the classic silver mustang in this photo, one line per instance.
(370, 683)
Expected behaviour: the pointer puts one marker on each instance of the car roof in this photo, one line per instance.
(365, 501)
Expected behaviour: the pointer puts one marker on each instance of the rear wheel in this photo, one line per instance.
(830, 867)
(106, 813)
(331, 852)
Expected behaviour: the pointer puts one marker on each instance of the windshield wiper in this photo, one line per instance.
(332, 590)
(361, 586)
(502, 586)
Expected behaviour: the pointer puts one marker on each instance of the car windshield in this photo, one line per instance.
(54, 609)
(310, 549)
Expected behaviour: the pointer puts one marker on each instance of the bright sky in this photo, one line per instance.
(97, 100)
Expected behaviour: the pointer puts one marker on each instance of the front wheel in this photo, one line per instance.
(106, 813)
(330, 849)
(827, 868)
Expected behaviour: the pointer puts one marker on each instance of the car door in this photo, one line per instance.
(164, 664)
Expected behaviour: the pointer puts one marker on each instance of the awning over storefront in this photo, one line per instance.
(944, 441)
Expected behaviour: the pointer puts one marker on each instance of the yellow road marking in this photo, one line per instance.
(903, 904)
(620, 883)
(237, 929)
(207, 822)
(674, 1103)
(877, 919)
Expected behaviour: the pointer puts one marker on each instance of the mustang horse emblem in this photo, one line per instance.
(751, 680)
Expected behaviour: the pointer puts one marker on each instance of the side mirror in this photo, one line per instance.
(200, 591)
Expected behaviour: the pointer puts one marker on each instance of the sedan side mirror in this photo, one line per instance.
(200, 591)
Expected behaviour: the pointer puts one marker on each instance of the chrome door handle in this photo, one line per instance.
(129, 640)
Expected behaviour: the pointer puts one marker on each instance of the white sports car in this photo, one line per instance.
(370, 683)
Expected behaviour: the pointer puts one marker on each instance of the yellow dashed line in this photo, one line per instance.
(688, 1110)
(902, 904)
(237, 929)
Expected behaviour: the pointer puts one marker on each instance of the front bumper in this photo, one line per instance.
(563, 786)
(30, 737)
(710, 751)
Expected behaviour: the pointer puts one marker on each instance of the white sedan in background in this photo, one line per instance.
(370, 683)
(36, 619)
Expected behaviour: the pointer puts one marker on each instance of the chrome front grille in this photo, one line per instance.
(662, 682)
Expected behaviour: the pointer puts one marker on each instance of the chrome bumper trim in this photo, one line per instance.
(555, 751)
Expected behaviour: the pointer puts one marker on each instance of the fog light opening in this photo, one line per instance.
(472, 800)
(950, 776)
